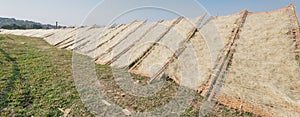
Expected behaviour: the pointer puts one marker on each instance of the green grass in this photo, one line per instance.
(36, 80)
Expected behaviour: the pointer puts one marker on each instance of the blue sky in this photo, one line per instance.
(78, 12)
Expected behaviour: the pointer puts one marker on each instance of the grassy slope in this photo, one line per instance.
(36, 79)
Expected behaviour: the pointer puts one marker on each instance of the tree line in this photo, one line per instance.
(16, 26)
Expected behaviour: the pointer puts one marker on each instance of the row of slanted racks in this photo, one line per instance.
(245, 60)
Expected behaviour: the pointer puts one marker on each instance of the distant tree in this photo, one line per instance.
(22, 27)
(11, 23)
(6, 27)
(37, 26)
(13, 26)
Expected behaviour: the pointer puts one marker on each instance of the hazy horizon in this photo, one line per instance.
(74, 12)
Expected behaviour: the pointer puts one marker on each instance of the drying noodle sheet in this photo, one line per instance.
(128, 42)
(122, 35)
(193, 66)
(104, 39)
(61, 35)
(264, 70)
(45, 32)
(167, 46)
(95, 39)
(84, 37)
(75, 34)
(142, 45)
(217, 31)
(40, 33)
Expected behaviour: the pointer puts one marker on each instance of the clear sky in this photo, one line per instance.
(78, 12)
